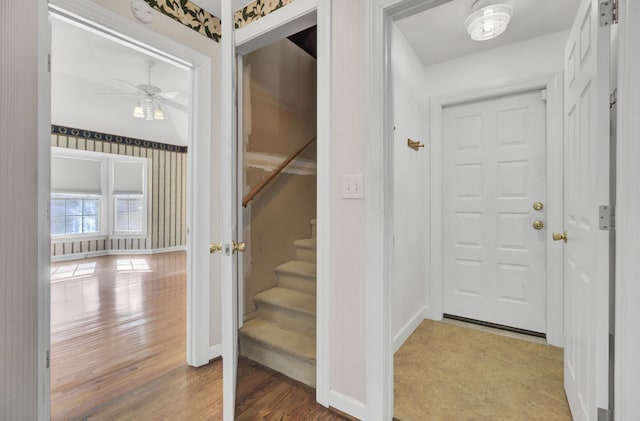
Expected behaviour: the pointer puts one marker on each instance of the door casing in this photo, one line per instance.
(271, 28)
(554, 206)
(199, 350)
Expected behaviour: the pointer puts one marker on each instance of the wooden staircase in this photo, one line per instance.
(282, 336)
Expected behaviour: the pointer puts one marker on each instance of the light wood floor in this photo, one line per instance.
(449, 372)
(118, 350)
(117, 322)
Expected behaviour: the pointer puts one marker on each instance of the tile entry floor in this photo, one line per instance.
(446, 371)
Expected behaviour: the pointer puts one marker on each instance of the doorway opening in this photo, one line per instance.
(489, 115)
(277, 158)
(123, 123)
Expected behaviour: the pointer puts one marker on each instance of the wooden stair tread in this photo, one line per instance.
(282, 340)
(298, 267)
(288, 299)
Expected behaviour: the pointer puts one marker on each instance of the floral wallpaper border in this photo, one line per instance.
(257, 10)
(195, 17)
(191, 15)
(113, 138)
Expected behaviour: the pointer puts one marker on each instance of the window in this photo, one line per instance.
(128, 180)
(97, 194)
(129, 214)
(73, 215)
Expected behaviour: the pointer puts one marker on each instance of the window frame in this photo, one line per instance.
(82, 196)
(113, 197)
(108, 199)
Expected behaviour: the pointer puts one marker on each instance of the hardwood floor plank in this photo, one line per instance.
(117, 322)
(118, 350)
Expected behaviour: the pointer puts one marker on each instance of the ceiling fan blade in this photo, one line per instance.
(171, 94)
(132, 85)
(115, 94)
(175, 105)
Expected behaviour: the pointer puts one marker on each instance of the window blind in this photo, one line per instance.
(128, 177)
(76, 175)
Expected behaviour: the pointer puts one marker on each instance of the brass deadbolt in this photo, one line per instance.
(538, 225)
(538, 206)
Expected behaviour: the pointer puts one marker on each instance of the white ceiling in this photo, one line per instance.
(439, 34)
(85, 64)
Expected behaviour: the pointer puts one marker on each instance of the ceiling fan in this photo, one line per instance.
(150, 97)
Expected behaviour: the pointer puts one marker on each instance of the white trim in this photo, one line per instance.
(44, 223)
(229, 286)
(347, 405)
(323, 200)
(627, 338)
(215, 351)
(241, 156)
(409, 327)
(510, 88)
(199, 218)
(555, 210)
(277, 25)
(122, 252)
(270, 162)
(379, 231)
(554, 213)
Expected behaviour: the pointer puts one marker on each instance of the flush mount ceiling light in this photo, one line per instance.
(489, 21)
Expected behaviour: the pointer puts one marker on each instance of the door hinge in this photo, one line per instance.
(49, 63)
(608, 10)
(48, 358)
(606, 218)
(613, 98)
(605, 415)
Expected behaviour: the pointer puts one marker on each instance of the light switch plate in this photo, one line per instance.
(353, 186)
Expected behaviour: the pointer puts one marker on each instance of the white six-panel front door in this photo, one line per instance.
(494, 170)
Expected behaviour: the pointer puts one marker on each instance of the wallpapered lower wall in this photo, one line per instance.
(167, 215)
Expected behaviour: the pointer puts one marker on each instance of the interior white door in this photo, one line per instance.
(494, 170)
(228, 184)
(586, 253)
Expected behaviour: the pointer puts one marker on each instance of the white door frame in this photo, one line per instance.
(275, 26)
(627, 339)
(198, 172)
(379, 359)
(554, 202)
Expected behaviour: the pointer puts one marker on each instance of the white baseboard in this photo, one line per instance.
(128, 252)
(215, 351)
(408, 328)
(347, 405)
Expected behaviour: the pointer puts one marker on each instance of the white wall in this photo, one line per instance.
(171, 29)
(411, 169)
(347, 324)
(497, 67)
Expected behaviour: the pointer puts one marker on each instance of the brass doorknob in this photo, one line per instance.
(215, 247)
(239, 247)
(538, 225)
(538, 206)
(557, 236)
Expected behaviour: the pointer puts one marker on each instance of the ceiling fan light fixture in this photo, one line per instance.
(138, 111)
(158, 114)
(488, 22)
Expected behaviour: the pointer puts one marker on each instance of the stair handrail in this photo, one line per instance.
(257, 189)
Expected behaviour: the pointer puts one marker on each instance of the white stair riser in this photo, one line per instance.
(297, 282)
(300, 369)
(302, 323)
(305, 254)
